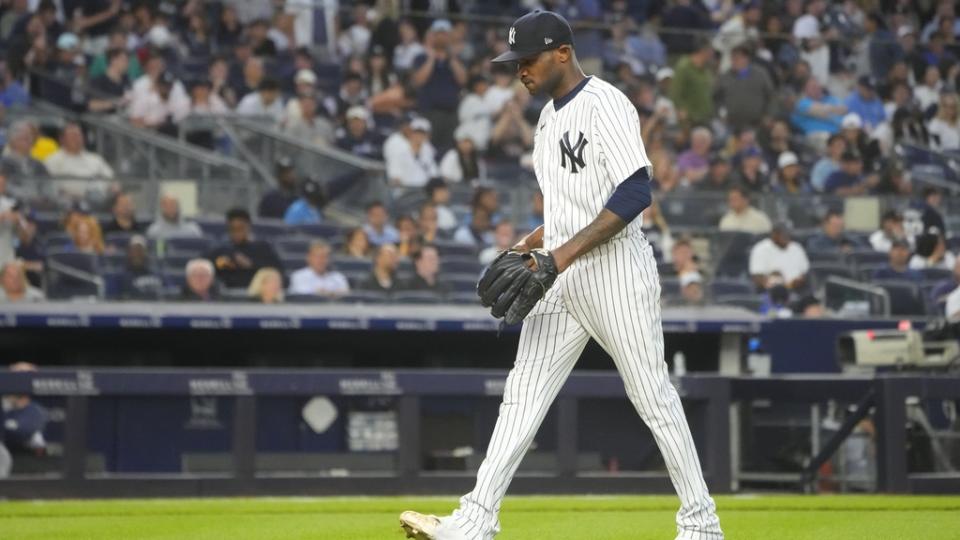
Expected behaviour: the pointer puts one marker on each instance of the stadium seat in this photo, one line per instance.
(268, 230)
(826, 257)
(464, 297)
(865, 271)
(904, 297)
(751, 302)
(365, 297)
(174, 278)
(307, 299)
(292, 263)
(57, 240)
(461, 265)
(113, 261)
(119, 240)
(868, 257)
(293, 246)
(821, 271)
(727, 287)
(416, 297)
(460, 282)
(175, 261)
(453, 249)
(936, 274)
(351, 264)
(71, 274)
(214, 229)
(732, 252)
(186, 246)
(669, 286)
(953, 244)
(320, 230)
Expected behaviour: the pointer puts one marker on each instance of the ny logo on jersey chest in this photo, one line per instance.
(573, 152)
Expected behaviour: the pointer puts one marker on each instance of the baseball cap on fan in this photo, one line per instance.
(534, 33)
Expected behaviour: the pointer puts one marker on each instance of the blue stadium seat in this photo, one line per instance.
(826, 257)
(904, 297)
(461, 265)
(460, 283)
(268, 230)
(293, 246)
(56, 240)
(365, 297)
(953, 244)
(320, 230)
(733, 252)
(751, 302)
(119, 240)
(175, 261)
(292, 263)
(416, 297)
(726, 287)
(868, 257)
(936, 274)
(113, 283)
(307, 299)
(350, 264)
(865, 271)
(464, 297)
(61, 284)
(174, 278)
(113, 261)
(822, 271)
(187, 246)
(453, 249)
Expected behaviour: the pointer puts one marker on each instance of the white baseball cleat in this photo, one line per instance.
(419, 526)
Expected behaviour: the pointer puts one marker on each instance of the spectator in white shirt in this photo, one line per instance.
(477, 233)
(264, 102)
(476, 112)
(945, 127)
(309, 126)
(462, 163)
(72, 159)
(317, 278)
(169, 224)
(891, 228)
(409, 47)
(204, 101)
(778, 254)
(438, 194)
(409, 155)
(952, 310)
(164, 104)
(928, 93)
(742, 216)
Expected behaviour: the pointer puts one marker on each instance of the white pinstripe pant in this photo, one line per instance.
(612, 295)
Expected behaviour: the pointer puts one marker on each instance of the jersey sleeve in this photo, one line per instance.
(616, 128)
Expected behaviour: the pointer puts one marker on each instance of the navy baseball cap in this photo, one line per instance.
(534, 33)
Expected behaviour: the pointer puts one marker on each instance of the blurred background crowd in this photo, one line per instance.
(794, 144)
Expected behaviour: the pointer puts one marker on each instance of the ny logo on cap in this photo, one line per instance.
(512, 38)
(547, 41)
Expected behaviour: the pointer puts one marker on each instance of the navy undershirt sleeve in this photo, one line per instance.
(631, 196)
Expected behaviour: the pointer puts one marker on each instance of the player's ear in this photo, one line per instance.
(563, 53)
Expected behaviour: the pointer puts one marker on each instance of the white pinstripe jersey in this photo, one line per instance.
(581, 153)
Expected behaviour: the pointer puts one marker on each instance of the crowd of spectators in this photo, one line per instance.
(742, 98)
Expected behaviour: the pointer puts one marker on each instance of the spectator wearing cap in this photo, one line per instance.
(274, 203)
(310, 126)
(123, 216)
(170, 224)
(410, 157)
(200, 284)
(744, 92)
(849, 179)
(719, 176)
(816, 114)
(237, 260)
(162, 106)
(66, 66)
(779, 254)
(378, 228)
(304, 83)
(741, 216)
(789, 178)
(693, 164)
(866, 104)
(462, 163)
(74, 160)
(897, 265)
(691, 289)
(945, 126)
(14, 286)
(663, 105)
(357, 137)
(203, 100)
(409, 48)
(891, 229)
(317, 278)
(109, 88)
(265, 101)
(932, 252)
(828, 164)
(438, 76)
(831, 237)
(307, 209)
(693, 83)
(476, 112)
(751, 174)
(140, 282)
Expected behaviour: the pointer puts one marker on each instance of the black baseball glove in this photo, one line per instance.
(514, 282)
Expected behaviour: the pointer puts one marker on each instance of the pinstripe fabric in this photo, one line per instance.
(611, 294)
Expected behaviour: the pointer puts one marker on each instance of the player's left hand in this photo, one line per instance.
(514, 283)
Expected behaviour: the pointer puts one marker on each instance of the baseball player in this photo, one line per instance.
(588, 272)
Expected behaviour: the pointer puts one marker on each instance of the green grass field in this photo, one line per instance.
(582, 518)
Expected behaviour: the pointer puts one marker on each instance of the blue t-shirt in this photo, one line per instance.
(871, 112)
(441, 91)
(813, 124)
(302, 212)
(839, 179)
